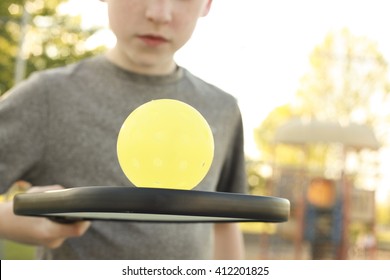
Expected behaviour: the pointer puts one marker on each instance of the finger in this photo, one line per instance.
(60, 232)
(55, 243)
(81, 228)
(76, 229)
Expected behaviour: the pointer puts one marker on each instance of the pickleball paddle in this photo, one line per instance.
(165, 148)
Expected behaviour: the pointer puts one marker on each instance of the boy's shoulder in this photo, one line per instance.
(70, 70)
(208, 89)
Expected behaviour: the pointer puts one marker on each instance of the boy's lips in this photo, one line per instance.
(152, 40)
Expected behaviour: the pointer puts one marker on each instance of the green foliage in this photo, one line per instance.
(256, 181)
(347, 82)
(264, 134)
(49, 39)
(383, 216)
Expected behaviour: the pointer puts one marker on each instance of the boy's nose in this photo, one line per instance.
(159, 11)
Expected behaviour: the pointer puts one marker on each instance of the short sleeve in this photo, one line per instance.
(23, 112)
(233, 175)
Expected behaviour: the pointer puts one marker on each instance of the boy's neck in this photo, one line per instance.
(122, 61)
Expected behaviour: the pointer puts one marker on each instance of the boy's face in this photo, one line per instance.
(149, 32)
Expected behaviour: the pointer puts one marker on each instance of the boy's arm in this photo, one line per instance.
(228, 242)
(36, 230)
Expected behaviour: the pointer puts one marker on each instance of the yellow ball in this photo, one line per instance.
(165, 143)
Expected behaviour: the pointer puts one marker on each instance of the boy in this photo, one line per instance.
(59, 128)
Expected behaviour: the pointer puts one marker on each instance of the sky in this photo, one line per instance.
(258, 50)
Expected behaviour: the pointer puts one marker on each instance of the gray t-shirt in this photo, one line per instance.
(60, 126)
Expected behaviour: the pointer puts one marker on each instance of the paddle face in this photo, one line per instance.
(165, 143)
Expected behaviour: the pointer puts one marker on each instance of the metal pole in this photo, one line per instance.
(20, 63)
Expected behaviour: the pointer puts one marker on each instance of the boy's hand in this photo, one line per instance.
(37, 230)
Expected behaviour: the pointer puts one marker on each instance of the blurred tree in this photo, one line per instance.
(285, 154)
(35, 36)
(383, 216)
(256, 179)
(264, 134)
(347, 82)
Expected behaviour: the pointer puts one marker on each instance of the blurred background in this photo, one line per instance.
(312, 81)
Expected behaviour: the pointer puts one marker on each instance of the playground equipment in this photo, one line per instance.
(322, 209)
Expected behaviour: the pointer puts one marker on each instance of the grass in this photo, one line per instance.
(16, 251)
